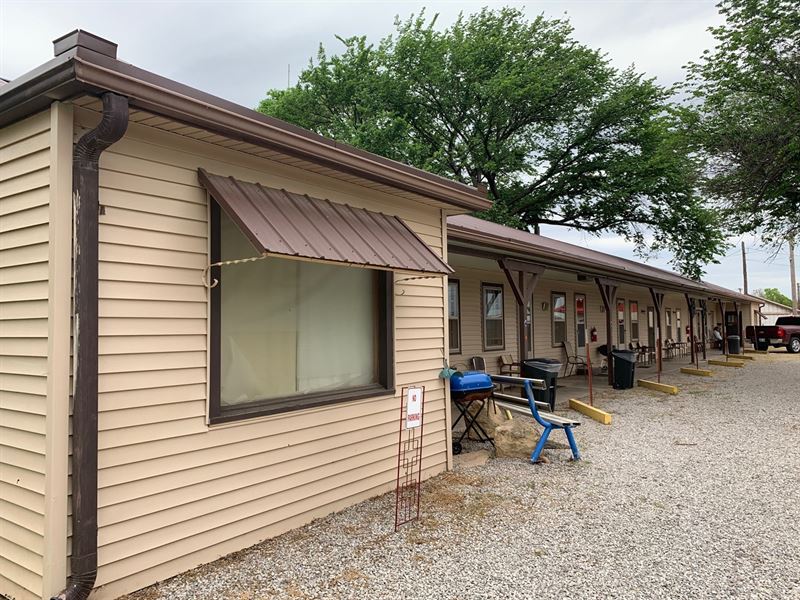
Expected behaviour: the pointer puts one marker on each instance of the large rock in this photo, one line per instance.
(488, 418)
(517, 439)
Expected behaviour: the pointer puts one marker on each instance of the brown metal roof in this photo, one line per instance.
(85, 63)
(464, 228)
(284, 223)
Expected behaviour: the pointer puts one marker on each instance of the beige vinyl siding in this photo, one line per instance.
(24, 216)
(470, 279)
(174, 492)
(34, 228)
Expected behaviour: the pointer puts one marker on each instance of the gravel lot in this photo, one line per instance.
(688, 496)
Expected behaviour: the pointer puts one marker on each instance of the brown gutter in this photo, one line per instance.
(85, 197)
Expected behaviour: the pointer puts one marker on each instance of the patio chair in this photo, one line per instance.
(573, 360)
(477, 363)
(507, 365)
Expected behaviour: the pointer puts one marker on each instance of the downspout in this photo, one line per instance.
(85, 198)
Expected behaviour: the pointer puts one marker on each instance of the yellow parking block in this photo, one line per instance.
(726, 363)
(659, 387)
(740, 356)
(598, 415)
(700, 372)
(753, 351)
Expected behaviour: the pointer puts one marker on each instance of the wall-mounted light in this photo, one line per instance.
(545, 306)
(602, 308)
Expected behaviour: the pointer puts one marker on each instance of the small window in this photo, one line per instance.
(678, 325)
(620, 321)
(454, 315)
(529, 328)
(493, 326)
(668, 331)
(634, 317)
(558, 308)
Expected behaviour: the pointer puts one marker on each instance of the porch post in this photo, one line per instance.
(608, 292)
(658, 302)
(739, 327)
(724, 326)
(522, 286)
(703, 325)
(690, 305)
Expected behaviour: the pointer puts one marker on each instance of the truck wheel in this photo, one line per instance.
(793, 347)
(763, 346)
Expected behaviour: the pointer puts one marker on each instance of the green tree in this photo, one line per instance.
(775, 295)
(556, 133)
(744, 116)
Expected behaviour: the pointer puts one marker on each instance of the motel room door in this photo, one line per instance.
(580, 324)
(651, 327)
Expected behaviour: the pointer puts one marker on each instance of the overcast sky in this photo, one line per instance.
(238, 50)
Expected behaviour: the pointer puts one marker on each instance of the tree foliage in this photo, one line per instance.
(775, 295)
(744, 116)
(555, 132)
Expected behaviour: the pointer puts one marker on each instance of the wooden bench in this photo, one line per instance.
(547, 420)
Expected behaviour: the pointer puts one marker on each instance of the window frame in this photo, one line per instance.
(217, 413)
(458, 319)
(553, 342)
(496, 286)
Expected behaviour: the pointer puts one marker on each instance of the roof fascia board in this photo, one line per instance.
(162, 96)
(34, 91)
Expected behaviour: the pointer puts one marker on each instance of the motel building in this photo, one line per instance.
(179, 277)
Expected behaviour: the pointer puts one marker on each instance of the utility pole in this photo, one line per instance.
(744, 268)
(793, 276)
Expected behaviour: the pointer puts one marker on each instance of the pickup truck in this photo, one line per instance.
(785, 333)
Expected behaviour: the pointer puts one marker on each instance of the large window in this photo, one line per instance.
(678, 327)
(492, 309)
(558, 308)
(289, 334)
(634, 318)
(454, 315)
(621, 322)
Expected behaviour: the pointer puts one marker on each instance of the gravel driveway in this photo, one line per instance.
(688, 496)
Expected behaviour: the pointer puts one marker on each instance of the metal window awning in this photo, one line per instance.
(281, 223)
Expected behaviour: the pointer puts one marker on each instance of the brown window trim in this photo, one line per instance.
(458, 285)
(499, 286)
(259, 408)
(553, 342)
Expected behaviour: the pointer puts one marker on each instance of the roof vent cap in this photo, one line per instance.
(84, 39)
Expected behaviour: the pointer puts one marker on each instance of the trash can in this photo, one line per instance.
(734, 344)
(543, 368)
(624, 368)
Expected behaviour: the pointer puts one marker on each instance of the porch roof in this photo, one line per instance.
(467, 232)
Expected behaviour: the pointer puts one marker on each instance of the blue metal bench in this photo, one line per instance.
(547, 420)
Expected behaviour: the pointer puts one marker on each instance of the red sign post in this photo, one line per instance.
(409, 455)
